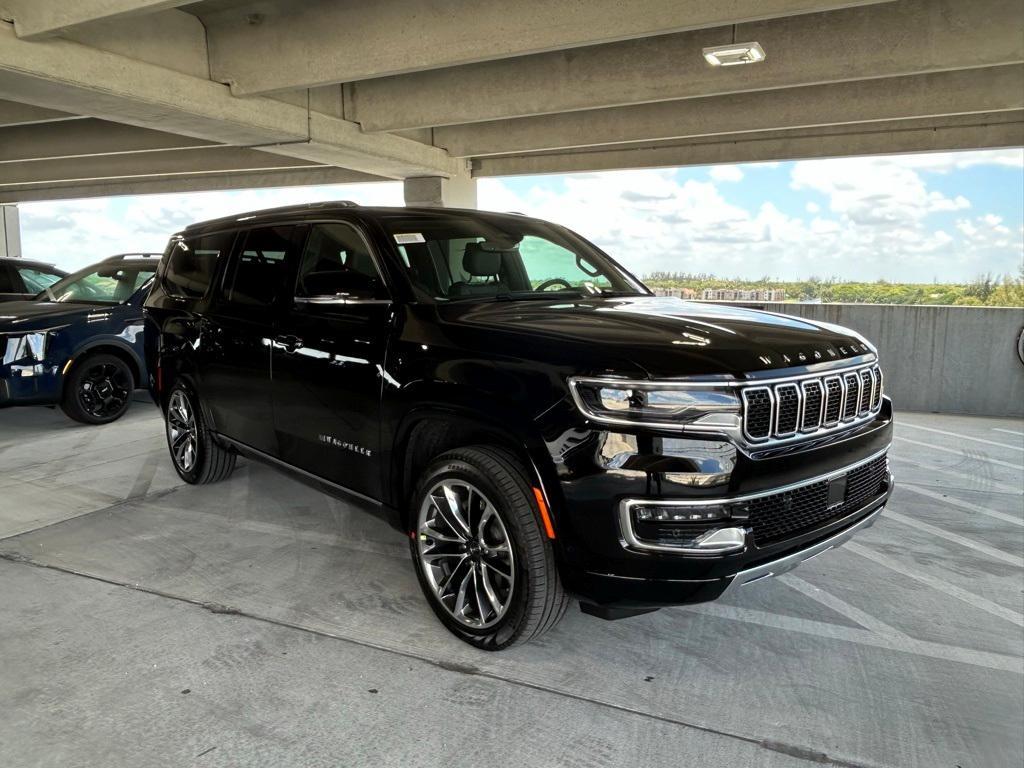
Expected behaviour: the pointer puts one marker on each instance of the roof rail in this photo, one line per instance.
(119, 256)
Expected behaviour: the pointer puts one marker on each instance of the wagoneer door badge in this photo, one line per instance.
(344, 445)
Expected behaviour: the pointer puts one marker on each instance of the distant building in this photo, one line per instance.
(681, 293)
(734, 294)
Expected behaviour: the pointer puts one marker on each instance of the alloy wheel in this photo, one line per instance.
(104, 389)
(182, 435)
(466, 553)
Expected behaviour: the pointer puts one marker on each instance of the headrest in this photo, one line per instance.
(479, 262)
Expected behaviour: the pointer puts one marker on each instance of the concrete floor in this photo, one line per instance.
(258, 622)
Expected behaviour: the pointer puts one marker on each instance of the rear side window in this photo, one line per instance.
(259, 268)
(192, 262)
(7, 281)
(35, 281)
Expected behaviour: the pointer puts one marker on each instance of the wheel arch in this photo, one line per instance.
(115, 347)
(431, 428)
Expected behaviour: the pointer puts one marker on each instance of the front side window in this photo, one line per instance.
(191, 263)
(6, 280)
(100, 284)
(35, 281)
(455, 258)
(259, 268)
(337, 262)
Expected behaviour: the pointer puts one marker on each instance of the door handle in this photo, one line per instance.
(288, 343)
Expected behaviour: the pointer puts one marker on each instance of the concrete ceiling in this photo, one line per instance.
(102, 97)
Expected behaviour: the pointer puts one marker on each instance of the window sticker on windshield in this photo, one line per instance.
(407, 238)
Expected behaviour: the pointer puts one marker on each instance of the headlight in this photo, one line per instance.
(656, 403)
(30, 348)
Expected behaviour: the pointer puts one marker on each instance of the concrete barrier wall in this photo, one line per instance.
(940, 359)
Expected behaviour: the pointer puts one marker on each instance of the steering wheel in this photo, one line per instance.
(554, 281)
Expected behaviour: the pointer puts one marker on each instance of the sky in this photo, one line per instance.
(948, 217)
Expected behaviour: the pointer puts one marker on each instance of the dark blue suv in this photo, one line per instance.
(79, 343)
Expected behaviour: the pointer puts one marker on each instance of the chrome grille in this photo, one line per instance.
(811, 404)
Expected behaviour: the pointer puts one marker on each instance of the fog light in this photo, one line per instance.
(679, 514)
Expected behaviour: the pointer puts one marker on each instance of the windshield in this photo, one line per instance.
(456, 258)
(100, 284)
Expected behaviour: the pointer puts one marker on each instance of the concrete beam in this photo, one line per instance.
(37, 19)
(991, 89)
(14, 113)
(182, 162)
(10, 231)
(207, 182)
(265, 46)
(890, 40)
(85, 138)
(1005, 129)
(437, 192)
(60, 74)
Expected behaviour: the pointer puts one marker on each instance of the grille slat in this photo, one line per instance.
(809, 405)
(787, 398)
(813, 400)
(758, 412)
(784, 515)
(851, 383)
(866, 379)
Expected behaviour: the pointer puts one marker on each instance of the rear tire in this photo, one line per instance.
(98, 390)
(197, 457)
(508, 589)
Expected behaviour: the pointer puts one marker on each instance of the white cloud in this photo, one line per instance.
(75, 233)
(725, 173)
(877, 221)
(869, 218)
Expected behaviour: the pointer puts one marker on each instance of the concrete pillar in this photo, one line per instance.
(439, 192)
(10, 231)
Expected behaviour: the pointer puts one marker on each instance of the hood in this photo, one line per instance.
(37, 315)
(666, 336)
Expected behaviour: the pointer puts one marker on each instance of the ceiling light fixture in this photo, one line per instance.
(733, 54)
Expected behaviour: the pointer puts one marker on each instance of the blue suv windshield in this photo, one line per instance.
(102, 284)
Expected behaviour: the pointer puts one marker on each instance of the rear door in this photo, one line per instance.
(237, 331)
(328, 357)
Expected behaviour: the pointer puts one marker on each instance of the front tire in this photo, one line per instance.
(99, 389)
(481, 556)
(196, 456)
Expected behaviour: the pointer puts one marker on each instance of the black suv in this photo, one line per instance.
(525, 410)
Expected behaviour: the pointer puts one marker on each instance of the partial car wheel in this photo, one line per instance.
(98, 389)
(198, 458)
(481, 555)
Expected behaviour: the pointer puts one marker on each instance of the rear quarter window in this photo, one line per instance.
(192, 262)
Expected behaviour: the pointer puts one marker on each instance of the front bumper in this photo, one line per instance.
(603, 567)
(605, 589)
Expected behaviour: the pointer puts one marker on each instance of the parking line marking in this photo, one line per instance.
(987, 484)
(1008, 431)
(936, 583)
(838, 605)
(956, 538)
(961, 454)
(962, 437)
(958, 503)
(899, 643)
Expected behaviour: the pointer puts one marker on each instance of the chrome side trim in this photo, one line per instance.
(629, 540)
(792, 560)
(711, 501)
